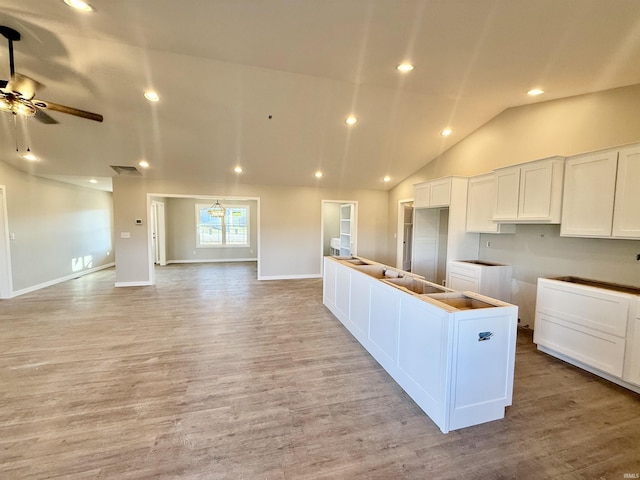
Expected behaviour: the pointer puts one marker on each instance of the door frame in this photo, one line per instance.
(6, 277)
(400, 232)
(158, 226)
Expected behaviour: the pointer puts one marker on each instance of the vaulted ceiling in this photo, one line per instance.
(268, 84)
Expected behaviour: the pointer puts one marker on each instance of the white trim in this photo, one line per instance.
(223, 223)
(61, 279)
(323, 202)
(290, 277)
(133, 284)
(400, 232)
(214, 260)
(6, 287)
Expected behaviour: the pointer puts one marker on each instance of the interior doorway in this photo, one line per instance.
(339, 228)
(404, 236)
(6, 284)
(6, 288)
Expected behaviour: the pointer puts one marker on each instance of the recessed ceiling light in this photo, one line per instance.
(446, 132)
(405, 67)
(93, 180)
(79, 5)
(151, 96)
(535, 91)
(351, 120)
(238, 169)
(30, 156)
(318, 174)
(143, 164)
(386, 179)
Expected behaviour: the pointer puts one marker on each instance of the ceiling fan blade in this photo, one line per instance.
(45, 118)
(24, 86)
(69, 110)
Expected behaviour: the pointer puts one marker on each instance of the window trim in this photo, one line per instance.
(246, 207)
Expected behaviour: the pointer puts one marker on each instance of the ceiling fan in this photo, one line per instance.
(17, 95)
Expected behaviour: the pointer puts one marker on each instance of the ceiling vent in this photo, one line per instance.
(125, 170)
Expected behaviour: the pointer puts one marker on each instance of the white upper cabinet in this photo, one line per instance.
(436, 193)
(626, 213)
(530, 192)
(601, 195)
(589, 189)
(480, 206)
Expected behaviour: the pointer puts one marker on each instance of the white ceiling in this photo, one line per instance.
(222, 67)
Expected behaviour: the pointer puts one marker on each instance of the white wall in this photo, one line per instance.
(290, 224)
(559, 127)
(59, 230)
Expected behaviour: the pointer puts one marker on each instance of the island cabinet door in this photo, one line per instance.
(360, 305)
(329, 283)
(423, 361)
(383, 323)
(483, 359)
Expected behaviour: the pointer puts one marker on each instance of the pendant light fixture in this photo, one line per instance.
(216, 210)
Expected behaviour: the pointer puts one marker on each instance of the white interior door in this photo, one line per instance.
(158, 235)
(6, 288)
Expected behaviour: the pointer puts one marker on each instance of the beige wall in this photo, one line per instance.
(290, 224)
(60, 230)
(560, 127)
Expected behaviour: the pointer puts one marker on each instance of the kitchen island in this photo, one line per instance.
(452, 352)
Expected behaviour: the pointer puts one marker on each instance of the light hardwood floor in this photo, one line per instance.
(211, 374)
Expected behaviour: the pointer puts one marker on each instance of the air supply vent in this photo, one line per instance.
(125, 170)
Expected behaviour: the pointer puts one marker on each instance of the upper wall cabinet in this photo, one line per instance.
(481, 204)
(626, 212)
(530, 192)
(601, 194)
(436, 193)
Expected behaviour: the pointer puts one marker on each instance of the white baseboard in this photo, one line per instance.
(289, 277)
(66, 278)
(208, 260)
(146, 283)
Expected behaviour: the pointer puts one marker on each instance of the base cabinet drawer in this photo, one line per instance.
(596, 349)
(591, 324)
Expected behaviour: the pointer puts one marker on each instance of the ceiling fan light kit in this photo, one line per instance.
(17, 95)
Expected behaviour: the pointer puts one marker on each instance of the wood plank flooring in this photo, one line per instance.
(211, 374)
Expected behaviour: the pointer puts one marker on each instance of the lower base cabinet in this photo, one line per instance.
(453, 354)
(593, 327)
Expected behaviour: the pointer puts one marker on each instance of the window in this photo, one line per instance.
(231, 230)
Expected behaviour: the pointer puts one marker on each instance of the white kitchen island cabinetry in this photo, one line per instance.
(452, 352)
(590, 324)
